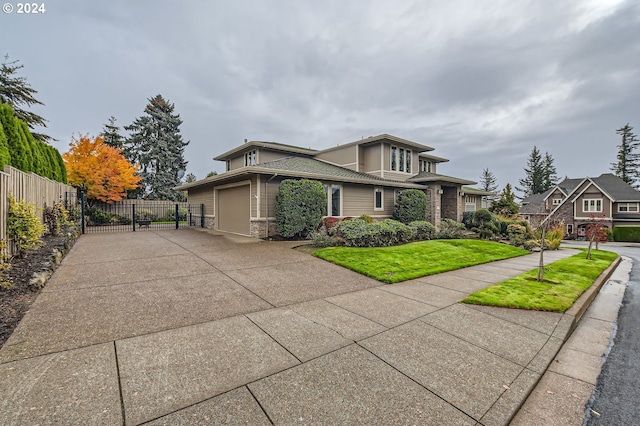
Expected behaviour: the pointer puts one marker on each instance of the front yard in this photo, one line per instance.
(414, 260)
(564, 281)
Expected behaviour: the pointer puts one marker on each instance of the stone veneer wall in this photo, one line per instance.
(450, 204)
(259, 228)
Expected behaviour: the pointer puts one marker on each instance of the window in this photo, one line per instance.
(377, 199)
(557, 201)
(569, 228)
(400, 159)
(335, 200)
(469, 203)
(424, 166)
(326, 191)
(394, 153)
(250, 158)
(628, 207)
(593, 205)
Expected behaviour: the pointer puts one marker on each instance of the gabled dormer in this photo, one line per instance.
(252, 153)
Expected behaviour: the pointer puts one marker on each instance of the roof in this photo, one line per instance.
(615, 187)
(305, 168)
(434, 177)
(269, 145)
(476, 191)
(433, 157)
(534, 202)
(378, 138)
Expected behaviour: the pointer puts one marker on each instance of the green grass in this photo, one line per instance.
(414, 260)
(564, 281)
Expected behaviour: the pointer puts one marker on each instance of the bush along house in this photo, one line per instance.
(578, 202)
(362, 177)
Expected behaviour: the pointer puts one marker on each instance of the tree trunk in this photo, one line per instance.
(541, 264)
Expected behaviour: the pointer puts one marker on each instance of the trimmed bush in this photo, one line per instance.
(147, 214)
(387, 232)
(366, 218)
(98, 217)
(627, 234)
(299, 207)
(411, 206)
(450, 229)
(517, 234)
(423, 230)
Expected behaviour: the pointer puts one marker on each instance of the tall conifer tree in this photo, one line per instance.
(155, 144)
(627, 167)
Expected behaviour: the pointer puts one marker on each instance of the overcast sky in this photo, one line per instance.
(480, 81)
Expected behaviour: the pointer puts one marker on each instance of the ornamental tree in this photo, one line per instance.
(99, 169)
(595, 232)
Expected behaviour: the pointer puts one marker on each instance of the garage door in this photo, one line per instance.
(234, 210)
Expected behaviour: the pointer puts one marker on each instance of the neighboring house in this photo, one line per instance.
(576, 201)
(362, 177)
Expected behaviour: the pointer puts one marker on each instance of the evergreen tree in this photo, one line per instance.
(111, 134)
(17, 92)
(533, 182)
(506, 204)
(17, 149)
(550, 173)
(213, 173)
(488, 182)
(190, 177)
(155, 144)
(628, 166)
(5, 156)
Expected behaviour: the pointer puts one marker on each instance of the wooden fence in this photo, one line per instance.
(31, 188)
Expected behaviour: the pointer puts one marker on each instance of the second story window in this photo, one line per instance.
(592, 205)
(400, 159)
(425, 166)
(250, 158)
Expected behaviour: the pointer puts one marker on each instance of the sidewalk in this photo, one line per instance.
(184, 327)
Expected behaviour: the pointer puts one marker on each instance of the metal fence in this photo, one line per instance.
(139, 215)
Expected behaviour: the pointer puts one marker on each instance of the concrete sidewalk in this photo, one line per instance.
(188, 327)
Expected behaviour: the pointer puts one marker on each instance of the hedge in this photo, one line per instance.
(299, 207)
(627, 234)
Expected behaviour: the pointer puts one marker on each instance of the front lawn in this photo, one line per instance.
(564, 281)
(414, 260)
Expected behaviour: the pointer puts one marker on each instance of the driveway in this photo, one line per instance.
(190, 327)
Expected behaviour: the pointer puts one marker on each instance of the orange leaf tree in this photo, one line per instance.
(99, 169)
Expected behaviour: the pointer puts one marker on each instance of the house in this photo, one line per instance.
(361, 177)
(577, 201)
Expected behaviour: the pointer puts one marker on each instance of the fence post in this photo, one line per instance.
(201, 215)
(82, 211)
(177, 217)
(133, 215)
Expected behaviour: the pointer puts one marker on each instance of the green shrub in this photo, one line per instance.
(387, 232)
(468, 219)
(366, 218)
(450, 229)
(517, 234)
(23, 225)
(55, 217)
(146, 214)
(4, 266)
(98, 217)
(609, 234)
(553, 237)
(423, 230)
(628, 234)
(411, 206)
(117, 219)
(322, 239)
(299, 207)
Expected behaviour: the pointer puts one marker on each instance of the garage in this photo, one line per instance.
(234, 209)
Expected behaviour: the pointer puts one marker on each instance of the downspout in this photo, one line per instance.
(266, 202)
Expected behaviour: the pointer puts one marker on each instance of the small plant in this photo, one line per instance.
(518, 234)
(98, 217)
(322, 239)
(23, 225)
(366, 218)
(450, 229)
(5, 265)
(55, 217)
(423, 230)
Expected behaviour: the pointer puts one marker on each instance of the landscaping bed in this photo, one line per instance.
(16, 301)
(564, 281)
(408, 261)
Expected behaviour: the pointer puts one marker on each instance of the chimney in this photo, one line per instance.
(246, 140)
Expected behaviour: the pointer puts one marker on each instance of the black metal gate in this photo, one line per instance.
(139, 215)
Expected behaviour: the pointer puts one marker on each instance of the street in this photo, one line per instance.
(615, 400)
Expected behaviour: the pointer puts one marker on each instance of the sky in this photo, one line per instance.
(481, 81)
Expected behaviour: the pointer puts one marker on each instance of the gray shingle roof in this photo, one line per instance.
(617, 188)
(533, 203)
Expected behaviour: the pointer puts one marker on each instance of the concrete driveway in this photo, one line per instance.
(189, 327)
